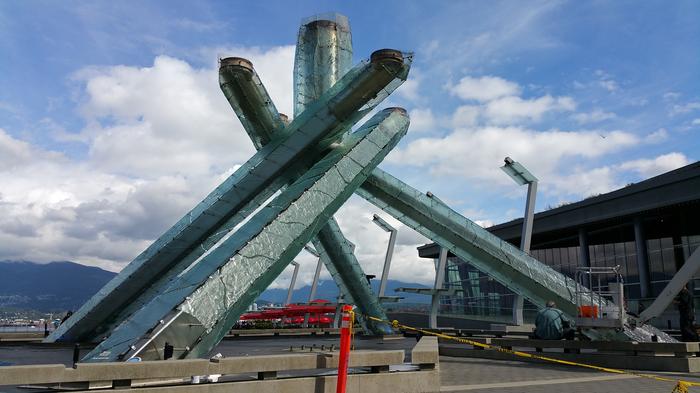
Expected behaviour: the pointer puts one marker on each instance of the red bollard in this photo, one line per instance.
(345, 341)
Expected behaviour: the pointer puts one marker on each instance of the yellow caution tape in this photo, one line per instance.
(681, 386)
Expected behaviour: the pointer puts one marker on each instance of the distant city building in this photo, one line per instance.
(649, 228)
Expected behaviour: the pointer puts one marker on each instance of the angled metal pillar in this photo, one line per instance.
(290, 291)
(506, 264)
(439, 282)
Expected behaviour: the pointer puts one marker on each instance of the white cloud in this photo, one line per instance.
(409, 89)
(484, 223)
(422, 120)
(483, 89)
(656, 166)
(159, 138)
(355, 218)
(189, 128)
(510, 110)
(583, 182)
(695, 122)
(595, 116)
(476, 153)
(465, 116)
(13, 152)
(657, 136)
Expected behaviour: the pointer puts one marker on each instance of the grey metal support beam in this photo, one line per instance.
(290, 291)
(389, 251)
(584, 254)
(640, 242)
(439, 282)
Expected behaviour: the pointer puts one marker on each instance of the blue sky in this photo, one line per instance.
(112, 125)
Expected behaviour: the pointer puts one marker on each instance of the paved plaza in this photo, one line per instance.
(483, 375)
(457, 374)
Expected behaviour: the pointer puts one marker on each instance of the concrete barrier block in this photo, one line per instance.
(238, 365)
(139, 370)
(363, 358)
(15, 375)
(426, 351)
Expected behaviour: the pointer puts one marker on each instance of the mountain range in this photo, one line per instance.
(61, 286)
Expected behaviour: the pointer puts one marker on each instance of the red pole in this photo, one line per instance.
(345, 341)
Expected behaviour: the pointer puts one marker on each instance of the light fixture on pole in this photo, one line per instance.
(317, 273)
(291, 284)
(389, 251)
(522, 176)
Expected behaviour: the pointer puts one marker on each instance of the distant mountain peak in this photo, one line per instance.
(54, 286)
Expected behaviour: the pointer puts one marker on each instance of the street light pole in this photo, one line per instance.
(314, 283)
(522, 176)
(317, 273)
(389, 251)
(291, 284)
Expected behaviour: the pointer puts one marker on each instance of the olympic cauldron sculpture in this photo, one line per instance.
(192, 284)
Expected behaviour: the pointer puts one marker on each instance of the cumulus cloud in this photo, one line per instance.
(355, 218)
(158, 139)
(657, 136)
(465, 116)
(500, 102)
(541, 151)
(189, 128)
(483, 89)
(510, 110)
(422, 120)
(651, 167)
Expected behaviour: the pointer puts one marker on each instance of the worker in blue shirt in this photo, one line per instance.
(552, 324)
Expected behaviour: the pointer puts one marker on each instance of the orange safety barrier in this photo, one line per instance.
(588, 311)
